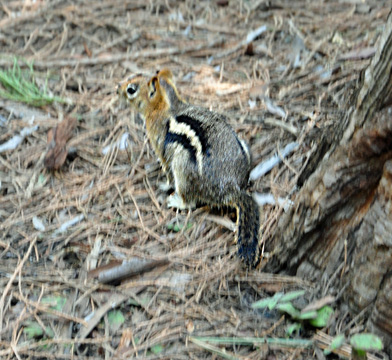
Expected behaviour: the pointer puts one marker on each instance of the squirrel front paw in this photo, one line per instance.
(176, 201)
(165, 187)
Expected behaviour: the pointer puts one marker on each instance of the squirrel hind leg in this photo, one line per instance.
(248, 221)
(181, 199)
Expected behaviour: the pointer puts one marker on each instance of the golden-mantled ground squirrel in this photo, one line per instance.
(199, 152)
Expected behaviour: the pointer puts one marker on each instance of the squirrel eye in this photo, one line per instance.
(131, 90)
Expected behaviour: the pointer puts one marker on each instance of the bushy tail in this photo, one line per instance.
(248, 222)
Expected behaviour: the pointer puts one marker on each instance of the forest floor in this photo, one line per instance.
(282, 72)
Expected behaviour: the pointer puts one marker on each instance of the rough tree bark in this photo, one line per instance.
(341, 224)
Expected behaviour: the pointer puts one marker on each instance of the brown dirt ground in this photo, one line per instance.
(306, 62)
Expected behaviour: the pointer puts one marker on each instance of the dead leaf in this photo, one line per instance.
(222, 3)
(57, 141)
(258, 91)
(126, 339)
(249, 50)
(190, 327)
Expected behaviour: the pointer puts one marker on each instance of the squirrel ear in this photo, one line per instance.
(165, 73)
(153, 84)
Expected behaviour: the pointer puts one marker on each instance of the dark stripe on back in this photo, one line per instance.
(172, 138)
(195, 125)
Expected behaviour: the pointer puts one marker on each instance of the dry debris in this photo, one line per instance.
(281, 71)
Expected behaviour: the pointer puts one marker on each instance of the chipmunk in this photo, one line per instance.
(200, 153)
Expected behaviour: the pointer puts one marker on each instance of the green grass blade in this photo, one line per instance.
(292, 295)
(268, 302)
(19, 85)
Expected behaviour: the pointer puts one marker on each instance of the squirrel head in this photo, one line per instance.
(144, 95)
(150, 96)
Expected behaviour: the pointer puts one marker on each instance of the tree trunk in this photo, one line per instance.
(341, 224)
